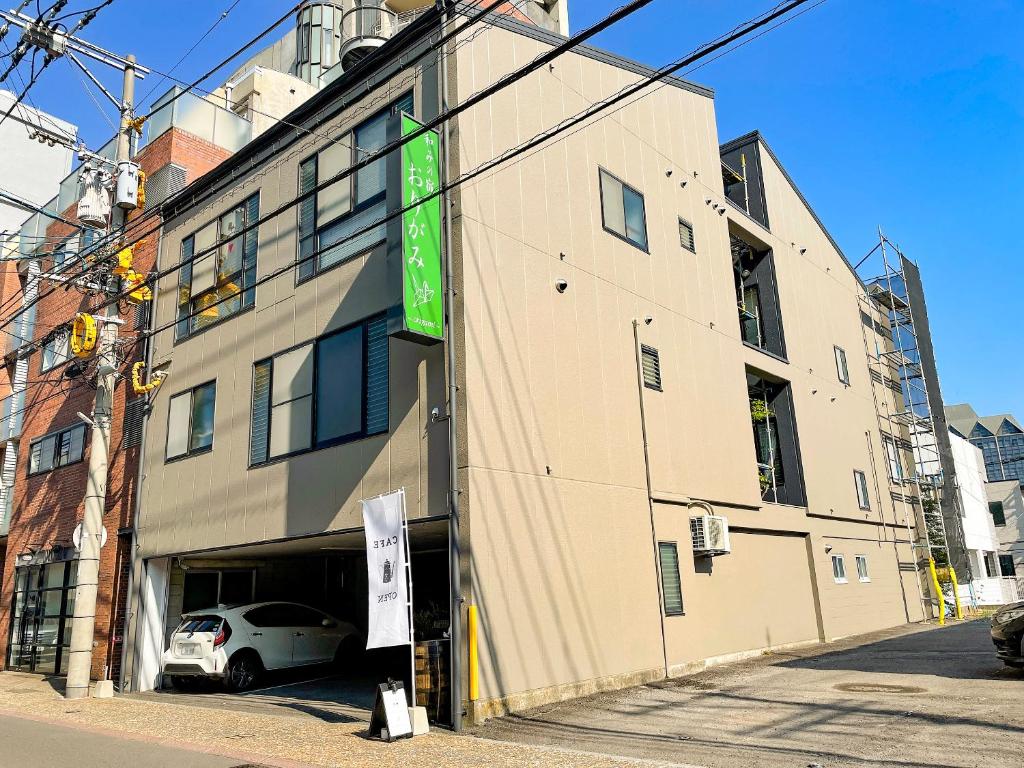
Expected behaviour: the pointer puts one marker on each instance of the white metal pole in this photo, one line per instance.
(408, 582)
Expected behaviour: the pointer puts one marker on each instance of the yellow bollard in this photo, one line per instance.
(938, 591)
(956, 594)
(474, 676)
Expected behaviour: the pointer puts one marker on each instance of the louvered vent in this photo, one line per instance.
(162, 184)
(651, 364)
(134, 414)
(686, 235)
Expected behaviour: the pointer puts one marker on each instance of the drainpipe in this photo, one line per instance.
(454, 542)
(650, 492)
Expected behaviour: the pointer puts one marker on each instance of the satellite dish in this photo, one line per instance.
(76, 537)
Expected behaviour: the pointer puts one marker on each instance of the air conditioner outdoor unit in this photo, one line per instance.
(710, 535)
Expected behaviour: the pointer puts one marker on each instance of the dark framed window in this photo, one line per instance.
(326, 392)
(842, 370)
(650, 363)
(622, 210)
(55, 351)
(686, 235)
(190, 417)
(217, 278)
(1006, 566)
(776, 442)
(41, 609)
(995, 508)
(328, 219)
(839, 569)
(671, 584)
(860, 480)
(57, 449)
(757, 297)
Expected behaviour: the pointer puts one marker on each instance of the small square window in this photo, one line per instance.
(839, 569)
(995, 508)
(622, 210)
(190, 421)
(862, 568)
(686, 236)
(861, 482)
(651, 364)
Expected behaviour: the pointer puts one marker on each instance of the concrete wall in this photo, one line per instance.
(557, 497)
(979, 530)
(214, 499)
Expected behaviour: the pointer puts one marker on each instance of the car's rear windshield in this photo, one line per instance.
(200, 624)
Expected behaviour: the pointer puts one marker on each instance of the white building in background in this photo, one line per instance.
(1006, 506)
(30, 171)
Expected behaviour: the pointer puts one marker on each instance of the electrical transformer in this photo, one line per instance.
(94, 205)
(127, 185)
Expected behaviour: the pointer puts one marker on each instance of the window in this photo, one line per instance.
(757, 297)
(284, 615)
(686, 235)
(55, 351)
(42, 608)
(995, 508)
(330, 219)
(862, 568)
(218, 269)
(776, 444)
(190, 421)
(861, 481)
(839, 569)
(329, 391)
(892, 455)
(204, 589)
(1006, 566)
(841, 368)
(622, 210)
(671, 585)
(650, 362)
(990, 565)
(57, 449)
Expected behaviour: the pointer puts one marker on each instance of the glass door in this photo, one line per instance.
(44, 602)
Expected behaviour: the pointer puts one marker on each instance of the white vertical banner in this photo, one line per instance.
(386, 549)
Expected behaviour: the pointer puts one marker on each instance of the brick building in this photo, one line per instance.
(39, 566)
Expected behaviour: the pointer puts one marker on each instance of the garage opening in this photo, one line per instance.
(297, 610)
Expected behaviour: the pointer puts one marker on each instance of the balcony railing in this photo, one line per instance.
(364, 29)
(199, 117)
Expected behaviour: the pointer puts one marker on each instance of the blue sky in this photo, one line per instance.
(907, 115)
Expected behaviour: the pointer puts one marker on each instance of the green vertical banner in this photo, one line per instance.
(422, 291)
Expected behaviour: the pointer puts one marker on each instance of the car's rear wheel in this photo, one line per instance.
(242, 671)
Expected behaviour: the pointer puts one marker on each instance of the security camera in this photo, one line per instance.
(648, 320)
(561, 285)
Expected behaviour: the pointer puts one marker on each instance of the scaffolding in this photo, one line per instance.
(905, 415)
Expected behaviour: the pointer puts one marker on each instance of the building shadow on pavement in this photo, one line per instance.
(960, 651)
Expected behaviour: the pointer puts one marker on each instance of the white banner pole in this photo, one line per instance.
(408, 574)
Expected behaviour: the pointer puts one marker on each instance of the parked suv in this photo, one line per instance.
(1008, 634)
(236, 644)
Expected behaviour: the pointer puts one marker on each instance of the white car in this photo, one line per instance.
(236, 644)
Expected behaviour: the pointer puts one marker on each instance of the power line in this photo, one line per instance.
(504, 82)
(477, 15)
(541, 138)
(188, 53)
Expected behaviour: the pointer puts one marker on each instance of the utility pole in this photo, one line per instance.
(84, 621)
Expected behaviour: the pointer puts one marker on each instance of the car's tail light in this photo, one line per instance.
(222, 636)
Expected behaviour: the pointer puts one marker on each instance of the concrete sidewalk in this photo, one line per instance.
(914, 696)
(286, 738)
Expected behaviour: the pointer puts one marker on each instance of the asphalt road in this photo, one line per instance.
(933, 698)
(44, 745)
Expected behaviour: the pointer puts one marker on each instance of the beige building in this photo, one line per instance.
(648, 328)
